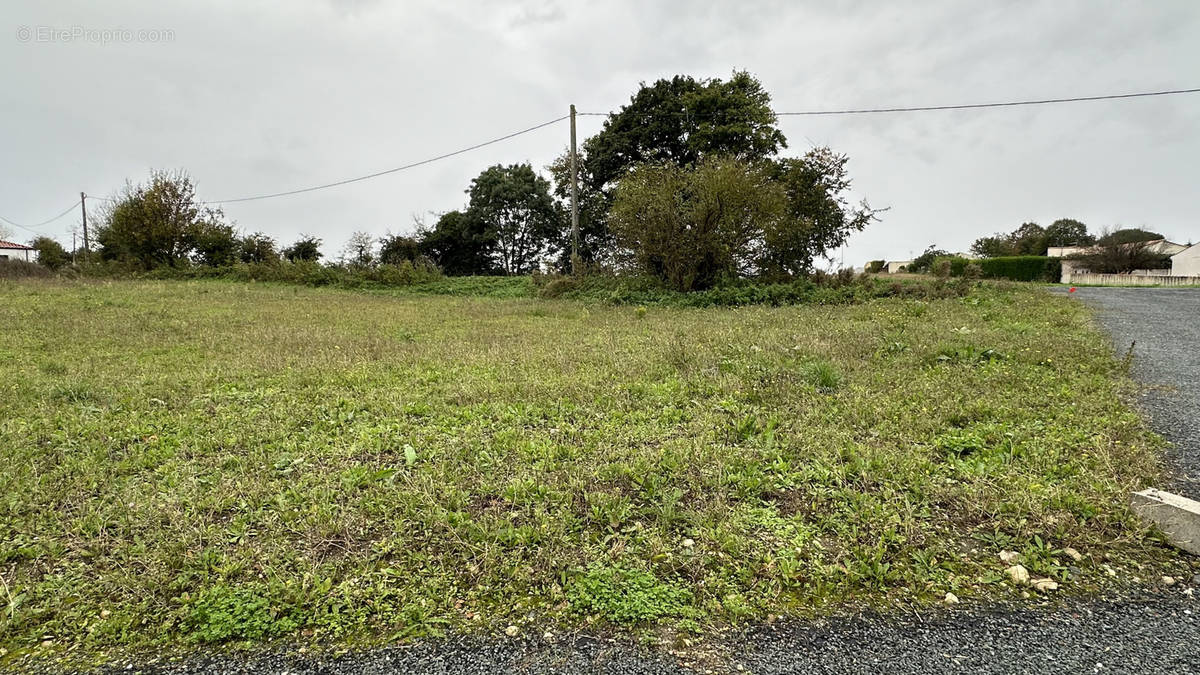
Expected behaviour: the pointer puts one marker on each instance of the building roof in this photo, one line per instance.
(9, 244)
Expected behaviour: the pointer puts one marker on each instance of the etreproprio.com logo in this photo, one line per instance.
(94, 35)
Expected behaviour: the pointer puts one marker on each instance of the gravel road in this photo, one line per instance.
(1157, 633)
(1163, 324)
(1154, 633)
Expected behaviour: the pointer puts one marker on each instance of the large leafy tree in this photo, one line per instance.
(1068, 232)
(214, 243)
(520, 219)
(1033, 239)
(259, 248)
(819, 216)
(155, 223)
(692, 226)
(995, 246)
(681, 120)
(307, 249)
(1028, 239)
(459, 244)
(1128, 236)
(397, 248)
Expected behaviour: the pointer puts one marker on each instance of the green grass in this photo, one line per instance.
(191, 462)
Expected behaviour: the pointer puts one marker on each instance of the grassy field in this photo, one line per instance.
(191, 462)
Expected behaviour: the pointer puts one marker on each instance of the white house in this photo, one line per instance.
(1186, 263)
(1064, 251)
(12, 251)
(894, 266)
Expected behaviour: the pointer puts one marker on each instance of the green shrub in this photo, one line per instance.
(958, 264)
(875, 266)
(626, 596)
(1013, 268)
(244, 613)
(1022, 268)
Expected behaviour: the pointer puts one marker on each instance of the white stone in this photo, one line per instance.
(1018, 574)
(1178, 517)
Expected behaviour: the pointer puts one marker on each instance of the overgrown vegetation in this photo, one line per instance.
(725, 218)
(19, 269)
(304, 273)
(194, 462)
(818, 289)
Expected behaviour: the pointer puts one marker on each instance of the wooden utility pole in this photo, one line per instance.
(83, 207)
(574, 199)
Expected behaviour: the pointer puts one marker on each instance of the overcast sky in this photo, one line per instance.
(259, 97)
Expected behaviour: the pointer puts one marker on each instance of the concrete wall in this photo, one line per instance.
(1130, 280)
(1187, 262)
(894, 266)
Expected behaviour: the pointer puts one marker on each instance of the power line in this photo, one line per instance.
(29, 228)
(858, 111)
(966, 106)
(384, 173)
(1003, 104)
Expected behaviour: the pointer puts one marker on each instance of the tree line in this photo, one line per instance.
(686, 183)
(1110, 251)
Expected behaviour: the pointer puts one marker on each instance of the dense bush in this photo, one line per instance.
(693, 225)
(1013, 268)
(1022, 268)
(19, 269)
(819, 289)
(50, 253)
(302, 272)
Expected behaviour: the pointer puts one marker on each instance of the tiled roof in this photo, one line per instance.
(9, 244)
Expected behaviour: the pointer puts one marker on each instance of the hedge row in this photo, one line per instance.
(1013, 268)
(303, 273)
(819, 290)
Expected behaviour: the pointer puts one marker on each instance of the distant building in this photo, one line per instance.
(894, 266)
(1185, 260)
(13, 251)
(1186, 263)
(1160, 246)
(1065, 251)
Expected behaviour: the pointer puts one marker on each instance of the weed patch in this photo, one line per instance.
(626, 596)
